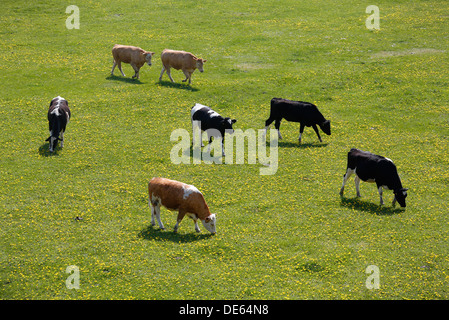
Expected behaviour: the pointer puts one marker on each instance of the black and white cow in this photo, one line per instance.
(307, 114)
(204, 119)
(58, 117)
(373, 168)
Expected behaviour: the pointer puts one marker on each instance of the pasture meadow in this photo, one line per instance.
(282, 236)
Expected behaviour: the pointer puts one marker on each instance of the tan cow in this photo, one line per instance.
(185, 61)
(133, 55)
(185, 198)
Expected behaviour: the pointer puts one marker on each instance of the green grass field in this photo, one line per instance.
(282, 236)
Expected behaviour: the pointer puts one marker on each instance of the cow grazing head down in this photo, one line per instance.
(400, 195)
(58, 116)
(53, 142)
(326, 127)
(199, 64)
(227, 125)
(210, 222)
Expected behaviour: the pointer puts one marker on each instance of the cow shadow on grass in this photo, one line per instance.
(154, 233)
(360, 205)
(197, 154)
(183, 86)
(288, 144)
(124, 79)
(44, 152)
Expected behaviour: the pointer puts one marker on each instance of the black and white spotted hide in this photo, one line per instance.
(58, 117)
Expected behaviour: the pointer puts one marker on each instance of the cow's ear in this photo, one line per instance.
(204, 61)
(207, 220)
(48, 139)
(233, 120)
(152, 53)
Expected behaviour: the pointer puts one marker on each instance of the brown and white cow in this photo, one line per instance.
(135, 56)
(185, 198)
(185, 61)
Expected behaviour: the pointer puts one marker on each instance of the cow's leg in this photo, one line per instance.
(187, 74)
(153, 213)
(197, 228)
(210, 142)
(195, 221)
(113, 67)
(357, 185)
(346, 176)
(119, 65)
(53, 143)
(380, 195)
(301, 130)
(157, 213)
(268, 122)
(394, 202)
(317, 133)
(169, 74)
(181, 214)
(162, 72)
(50, 142)
(62, 139)
(277, 125)
(196, 128)
(136, 71)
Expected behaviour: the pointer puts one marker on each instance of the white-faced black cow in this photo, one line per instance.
(373, 168)
(307, 114)
(58, 117)
(205, 119)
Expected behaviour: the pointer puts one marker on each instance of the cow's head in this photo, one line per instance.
(326, 127)
(147, 55)
(210, 223)
(400, 195)
(199, 64)
(53, 142)
(227, 125)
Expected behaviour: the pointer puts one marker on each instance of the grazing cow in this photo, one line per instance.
(58, 116)
(204, 118)
(373, 168)
(135, 56)
(185, 61)
(307, 114)
(185, 198)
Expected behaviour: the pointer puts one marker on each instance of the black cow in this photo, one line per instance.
(204, 119)
(58, 117)
(307, 114)
(373, 168)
